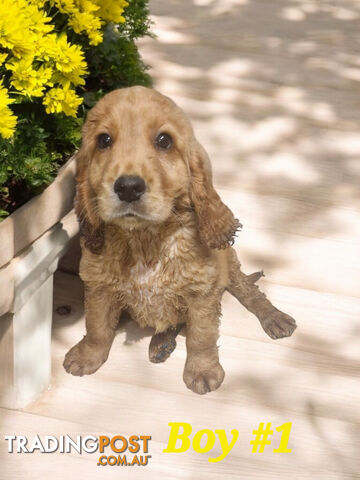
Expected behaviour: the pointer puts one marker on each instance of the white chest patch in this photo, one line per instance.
(143, 274)
(145, 281)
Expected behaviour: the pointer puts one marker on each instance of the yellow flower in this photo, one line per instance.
(7, 118)
(112, 11)
(64, 6)
(26, 79)
(69, 57)
(88, 16)
(85, 22)
(95, 37)
(38, 21)
(22, 24)
(83, 18)
(42, 62)
(3, 57)
(58, 100)
(38, 3)
(13, 29)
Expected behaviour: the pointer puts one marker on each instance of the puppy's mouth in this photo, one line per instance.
(134, 209)
(132, 213)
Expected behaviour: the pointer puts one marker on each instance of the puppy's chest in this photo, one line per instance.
(148, 279)
(153, 280)
(172, 268)
(166, 275)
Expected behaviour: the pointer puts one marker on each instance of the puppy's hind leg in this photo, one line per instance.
(274, 322)
(163, 344)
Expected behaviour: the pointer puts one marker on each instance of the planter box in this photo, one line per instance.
(32, 239)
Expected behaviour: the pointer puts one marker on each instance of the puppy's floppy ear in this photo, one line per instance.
(216, 223)
(91, 226)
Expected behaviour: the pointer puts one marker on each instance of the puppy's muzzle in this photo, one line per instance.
(129, 187)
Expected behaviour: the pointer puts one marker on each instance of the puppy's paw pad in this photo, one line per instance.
(83, 360)
(204, 382)
(278, 325)
(160, 352)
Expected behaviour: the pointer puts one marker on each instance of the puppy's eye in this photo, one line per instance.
(163, 141)
(104, 141)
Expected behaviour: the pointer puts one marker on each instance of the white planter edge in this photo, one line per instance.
(26, 317)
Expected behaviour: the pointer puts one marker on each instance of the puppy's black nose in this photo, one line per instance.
(129, 187)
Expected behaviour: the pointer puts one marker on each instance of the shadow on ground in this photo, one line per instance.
(273, 90)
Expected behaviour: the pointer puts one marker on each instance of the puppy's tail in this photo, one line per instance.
(254, 277)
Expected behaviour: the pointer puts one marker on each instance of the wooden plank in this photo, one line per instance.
(25, 349)
(97, 403)
(323, 318)
(6, 359)
(175, 466)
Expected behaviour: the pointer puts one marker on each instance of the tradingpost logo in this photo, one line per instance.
(113, 451)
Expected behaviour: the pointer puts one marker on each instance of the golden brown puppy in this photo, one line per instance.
(156, 238)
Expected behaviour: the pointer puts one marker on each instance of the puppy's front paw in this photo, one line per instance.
(202, 382)
(278, 324)
(84, 359)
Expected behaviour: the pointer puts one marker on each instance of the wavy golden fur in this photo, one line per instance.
(166, 256)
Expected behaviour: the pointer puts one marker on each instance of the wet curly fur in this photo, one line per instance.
(166, 258)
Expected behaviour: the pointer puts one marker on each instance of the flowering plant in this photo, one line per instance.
(57, 57)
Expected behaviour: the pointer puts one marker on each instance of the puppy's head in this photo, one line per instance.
(138, 163)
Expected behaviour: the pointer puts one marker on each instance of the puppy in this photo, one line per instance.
(156, 238)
